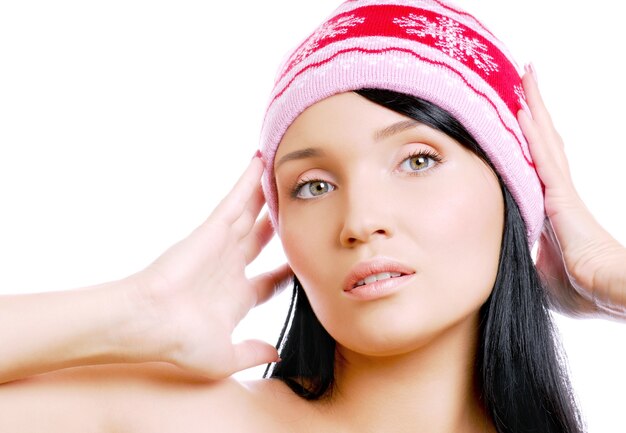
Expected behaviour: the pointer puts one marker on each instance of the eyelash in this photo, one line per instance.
(423, 153)
(427, 153)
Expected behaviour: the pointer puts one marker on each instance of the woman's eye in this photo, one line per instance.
(419, 162)
(312, 189)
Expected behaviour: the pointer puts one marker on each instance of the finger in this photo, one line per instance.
(254, 205)
(233, 205)
(539, 111)
(536, 145)
(549, 159)
(271, 283)
(535, 101)
(246, 221)
(533, 136)
(251, 353)
(258, 238)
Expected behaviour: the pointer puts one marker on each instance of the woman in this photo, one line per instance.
(148, 307)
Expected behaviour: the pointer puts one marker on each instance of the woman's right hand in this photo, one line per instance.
(194, 294)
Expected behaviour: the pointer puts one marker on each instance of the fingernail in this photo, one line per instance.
(531, 68)
(257, 154)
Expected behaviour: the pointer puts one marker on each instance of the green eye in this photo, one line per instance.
(419, 162)
(313, 189)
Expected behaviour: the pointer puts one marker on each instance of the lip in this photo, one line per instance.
(374, 266)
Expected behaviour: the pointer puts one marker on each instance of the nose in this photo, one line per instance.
(365, 217)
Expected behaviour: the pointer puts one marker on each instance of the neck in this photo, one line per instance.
(430, 389)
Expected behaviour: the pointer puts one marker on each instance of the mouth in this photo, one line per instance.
(378, 277)
(375, 270)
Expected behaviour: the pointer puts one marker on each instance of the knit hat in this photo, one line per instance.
(424, 48)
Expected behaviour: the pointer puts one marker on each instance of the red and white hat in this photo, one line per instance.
(424, 48)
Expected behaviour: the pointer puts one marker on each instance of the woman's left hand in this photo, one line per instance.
(583, 266)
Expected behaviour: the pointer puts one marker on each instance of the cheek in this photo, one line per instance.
(307, 242)
(461, 237)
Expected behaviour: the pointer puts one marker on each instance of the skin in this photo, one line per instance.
(152, 352)
(428, 218)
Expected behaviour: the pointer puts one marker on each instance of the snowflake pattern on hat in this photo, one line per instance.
(450, 39)
(328, 30)
(448, 36)
(519, 91)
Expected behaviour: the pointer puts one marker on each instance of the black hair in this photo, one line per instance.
(520, 372)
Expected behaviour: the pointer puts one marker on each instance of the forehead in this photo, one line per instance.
(339, 112)
(341, 116)
(347, 118)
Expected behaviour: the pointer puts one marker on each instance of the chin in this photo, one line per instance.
(381, 335)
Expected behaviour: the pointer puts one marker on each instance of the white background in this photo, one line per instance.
(122, 123)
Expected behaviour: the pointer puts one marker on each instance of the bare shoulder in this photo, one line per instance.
(147, 398)
(177, 400)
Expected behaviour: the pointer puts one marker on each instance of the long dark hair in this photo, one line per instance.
(520, 372)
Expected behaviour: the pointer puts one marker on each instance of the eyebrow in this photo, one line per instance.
(379, 135)
(309, 152)
(395, 128)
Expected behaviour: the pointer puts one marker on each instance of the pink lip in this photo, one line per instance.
(376, 266)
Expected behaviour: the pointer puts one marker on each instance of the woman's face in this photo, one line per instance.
(365, 191)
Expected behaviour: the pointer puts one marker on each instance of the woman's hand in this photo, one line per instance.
(583, 266)
(197, 291)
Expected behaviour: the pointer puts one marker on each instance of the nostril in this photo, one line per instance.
(352, 235)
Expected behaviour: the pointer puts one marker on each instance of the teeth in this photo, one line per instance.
(377, 277)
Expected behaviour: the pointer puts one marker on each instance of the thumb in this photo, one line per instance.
(251, 353)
